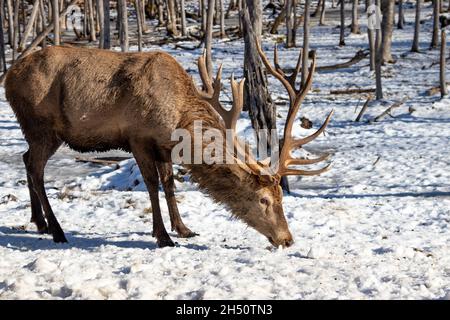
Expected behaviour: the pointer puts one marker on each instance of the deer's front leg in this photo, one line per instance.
(166, 175)
(146, 161)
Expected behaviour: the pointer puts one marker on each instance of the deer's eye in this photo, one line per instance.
(264, 201)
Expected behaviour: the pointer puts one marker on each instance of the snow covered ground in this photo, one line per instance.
(375, 226)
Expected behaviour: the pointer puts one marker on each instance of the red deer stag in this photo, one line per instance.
(97, 100)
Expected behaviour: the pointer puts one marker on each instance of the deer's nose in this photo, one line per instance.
(288, 242)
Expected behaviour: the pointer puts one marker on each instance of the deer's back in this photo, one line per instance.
(95, 99)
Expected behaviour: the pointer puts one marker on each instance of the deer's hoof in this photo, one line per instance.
(186, 233)
(165, 243)
(59, 238)
(42, 228)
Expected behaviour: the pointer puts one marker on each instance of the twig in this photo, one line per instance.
(364, 108)
(353, 90)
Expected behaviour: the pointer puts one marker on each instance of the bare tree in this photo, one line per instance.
(342, 27)
(137, 5)
(92, 35)
(443, 82)
(387, 27)
(290, 23)
(378, 60)
(222, 19)
(124, 40)
(305, 42)
(171, 18)
(401, 16)
(31, 22)
(106, 25)
(10, 9)
(183, 18)
(435, 37)
(2, 39)
(371, 35)
(322, 13)
(56, 21)
(415, 45)
(208, 36)
(355, 23)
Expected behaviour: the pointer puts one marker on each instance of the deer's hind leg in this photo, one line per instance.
(145, 159)
(35, 160)
(166, 174)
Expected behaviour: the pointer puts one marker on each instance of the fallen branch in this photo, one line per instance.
(360, 55)
(353, 90)
(387, 112)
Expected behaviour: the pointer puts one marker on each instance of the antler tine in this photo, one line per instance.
(290, 143)
(299, 142)
(296, 71)
(293, 161)
(275, 61)
(295, 172)
(206, 80)
(297, 103)
(237, 90)
(217, 86)
(276, 74)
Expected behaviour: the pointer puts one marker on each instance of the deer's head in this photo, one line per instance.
(251, 189)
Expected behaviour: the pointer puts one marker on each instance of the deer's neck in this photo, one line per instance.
(219, 180)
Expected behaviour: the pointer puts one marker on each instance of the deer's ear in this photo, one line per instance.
(268, 180)
(237, 173)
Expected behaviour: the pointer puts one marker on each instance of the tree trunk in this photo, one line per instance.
(208, 36)
(415, 45)
(9, 5)
(137, 5)
(378, 60)
(92, 35)
(401, 16)
(30, 24)
(2, 39)
(106, 25)
(355, 24)
(16, 29)
(290, 23)
(204, 15)
(144, 26)
(342, 28)
(322, 13)
(387, 27)
(222, 19)
(183, 18)
(435, 37)
(56, 22)
(101, 22)
(123, 26)
(371, 38)
(172, 18)
(443, 82)
(305, 43)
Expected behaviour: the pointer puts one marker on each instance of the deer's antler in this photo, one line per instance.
(296, 97)
(211, 93)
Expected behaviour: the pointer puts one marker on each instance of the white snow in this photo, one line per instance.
(366, 229)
